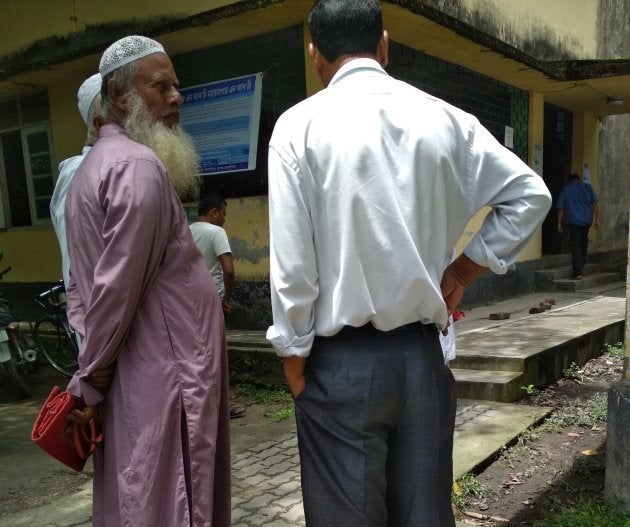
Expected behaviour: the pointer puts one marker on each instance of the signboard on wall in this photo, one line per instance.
(222, 118)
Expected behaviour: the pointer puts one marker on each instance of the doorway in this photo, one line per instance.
(556, 168)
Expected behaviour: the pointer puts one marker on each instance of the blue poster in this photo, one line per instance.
(222, 118)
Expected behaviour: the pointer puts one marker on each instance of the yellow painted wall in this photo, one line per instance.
(247, 227)
(33, 253)
(586, 151)
(569, 24)
(535, 129)
(68, 129)
(24, 22)
(585, 145)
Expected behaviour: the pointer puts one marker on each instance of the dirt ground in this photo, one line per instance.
(28, 476)
(555, 464)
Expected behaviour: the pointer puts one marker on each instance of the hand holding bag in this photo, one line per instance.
(50, 431)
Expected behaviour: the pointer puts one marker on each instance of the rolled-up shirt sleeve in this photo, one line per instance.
(518, 197)
(293, 268)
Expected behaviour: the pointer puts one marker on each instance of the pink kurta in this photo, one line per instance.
(140, 295)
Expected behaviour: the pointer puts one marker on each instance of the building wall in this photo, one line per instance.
(24, 23)
(33, 254)
(546, 30)
(613, 134)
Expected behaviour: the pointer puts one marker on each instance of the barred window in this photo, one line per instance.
(26, 169)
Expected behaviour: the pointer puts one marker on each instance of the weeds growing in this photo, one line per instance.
(588, 513)
(279, 400)
(467, 489)
(585, 413)
(614, 350)
(573, 372)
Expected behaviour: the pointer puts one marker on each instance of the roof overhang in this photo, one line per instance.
(578, 86)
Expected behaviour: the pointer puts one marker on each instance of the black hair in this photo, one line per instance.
(346, 27)
(573, 177)
(210, 201)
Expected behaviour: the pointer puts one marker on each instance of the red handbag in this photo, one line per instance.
(50, 431)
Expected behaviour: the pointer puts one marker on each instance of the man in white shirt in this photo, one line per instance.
(89, 100)
(212, 241)
(371, 184)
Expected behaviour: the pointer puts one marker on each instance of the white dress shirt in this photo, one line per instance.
(67, 169)
(371, 184)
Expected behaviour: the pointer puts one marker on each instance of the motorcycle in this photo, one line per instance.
(17, 354)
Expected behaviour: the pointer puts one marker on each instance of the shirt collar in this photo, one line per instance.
(355, 65)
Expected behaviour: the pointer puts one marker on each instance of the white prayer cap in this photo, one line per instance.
(88, 90)
(127, 50)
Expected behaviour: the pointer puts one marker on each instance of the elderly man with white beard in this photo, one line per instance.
(142, 300)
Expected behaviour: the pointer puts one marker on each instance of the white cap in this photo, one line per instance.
(90, 88)
(127, 50)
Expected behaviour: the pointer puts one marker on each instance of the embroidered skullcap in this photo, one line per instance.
(127, 50)
(90, 88)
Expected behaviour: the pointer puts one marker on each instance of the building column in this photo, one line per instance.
(584, 160)
(536, 131)
(535, 136)
(618, 429)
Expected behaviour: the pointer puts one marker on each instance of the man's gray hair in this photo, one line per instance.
(95, 109)
(123, 79)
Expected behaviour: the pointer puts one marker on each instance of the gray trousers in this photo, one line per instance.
(375, 430)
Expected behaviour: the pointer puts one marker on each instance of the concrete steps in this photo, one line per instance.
(488, 385)
(500, 362)
(496, 361)
(561, 278)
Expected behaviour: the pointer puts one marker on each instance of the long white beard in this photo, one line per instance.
(172, 146)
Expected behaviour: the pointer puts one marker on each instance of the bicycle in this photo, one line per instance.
(18, 355)
(56, 339)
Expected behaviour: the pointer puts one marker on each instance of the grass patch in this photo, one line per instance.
(467, 489)
(278, 399)
(281, 414)
(588, 513)
(584, 413)
(520, 448)
(614, 350)
(256, 394)
(573, 372)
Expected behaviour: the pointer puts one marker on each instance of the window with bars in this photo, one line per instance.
(26, 168)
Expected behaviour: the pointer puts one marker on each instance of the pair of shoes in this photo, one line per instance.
(577, 277)
(236, 410)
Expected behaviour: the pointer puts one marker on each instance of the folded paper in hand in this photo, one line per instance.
(68, 442)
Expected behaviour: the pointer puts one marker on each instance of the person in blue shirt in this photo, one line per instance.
(577, 205)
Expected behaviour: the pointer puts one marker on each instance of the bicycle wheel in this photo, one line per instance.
(55, 344)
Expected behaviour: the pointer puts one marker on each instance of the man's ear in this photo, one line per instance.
(382, 50)
(316, 57)
(97, 122)
(117, 96)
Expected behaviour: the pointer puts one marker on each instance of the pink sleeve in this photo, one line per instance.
(138, 217)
